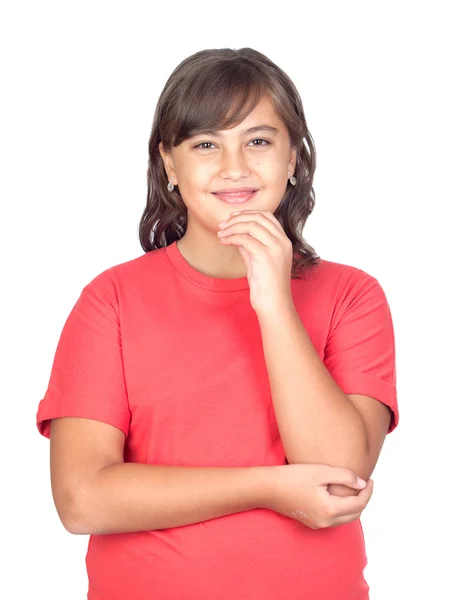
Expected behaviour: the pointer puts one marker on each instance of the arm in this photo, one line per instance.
(135, 497)
(95, 492)
(316, 420)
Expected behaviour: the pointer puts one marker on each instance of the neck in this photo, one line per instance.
(208, 256)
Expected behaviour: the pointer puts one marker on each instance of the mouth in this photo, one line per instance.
(235, 197)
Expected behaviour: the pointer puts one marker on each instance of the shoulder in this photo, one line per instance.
(126, 277)
(328, 275)
(352, 294)
(330, 290)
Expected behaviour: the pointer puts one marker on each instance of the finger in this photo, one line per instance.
(344, 505)
(271, 217)
(253, 243)
(346, 519)
(340, 475)
(266, 219)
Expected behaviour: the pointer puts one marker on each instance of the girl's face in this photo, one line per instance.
(212, 161)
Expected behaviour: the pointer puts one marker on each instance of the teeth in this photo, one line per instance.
(235, 193)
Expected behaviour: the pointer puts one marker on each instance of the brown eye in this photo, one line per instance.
(267, 143)
(201, 144)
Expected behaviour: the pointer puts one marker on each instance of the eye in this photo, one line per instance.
(201, 144)
(261, 140)
(267, 143)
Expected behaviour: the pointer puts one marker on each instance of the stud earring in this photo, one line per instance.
(170, 185)
(292, 179)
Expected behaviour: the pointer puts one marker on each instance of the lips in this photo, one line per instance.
(235, 197)
(235, 190)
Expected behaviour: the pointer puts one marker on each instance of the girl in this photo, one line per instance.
(214, 403)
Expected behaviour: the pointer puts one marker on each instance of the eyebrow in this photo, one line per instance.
(255, 129)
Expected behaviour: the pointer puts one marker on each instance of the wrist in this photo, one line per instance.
(265, 485)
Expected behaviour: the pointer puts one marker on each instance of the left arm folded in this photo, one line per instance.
(360, 356)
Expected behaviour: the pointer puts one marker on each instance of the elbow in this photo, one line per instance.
(75, 525)
(87, 515)
(359, 460)
(72, 516)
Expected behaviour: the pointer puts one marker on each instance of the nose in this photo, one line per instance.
(233, 165)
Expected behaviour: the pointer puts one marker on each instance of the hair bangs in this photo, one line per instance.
(219, 101)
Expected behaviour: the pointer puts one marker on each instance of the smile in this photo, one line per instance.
(236, 198)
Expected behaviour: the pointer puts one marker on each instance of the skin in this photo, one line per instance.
(231, 160)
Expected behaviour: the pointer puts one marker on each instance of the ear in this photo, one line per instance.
(293, 158)
(168, 162)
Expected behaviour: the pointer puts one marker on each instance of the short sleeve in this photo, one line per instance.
(87, 376)
(360, 349)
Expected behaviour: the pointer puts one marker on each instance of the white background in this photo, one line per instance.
(80, 81)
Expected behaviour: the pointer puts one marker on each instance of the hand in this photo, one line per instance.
(267, 252)
(300, 491)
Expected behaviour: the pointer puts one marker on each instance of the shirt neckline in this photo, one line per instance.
(200, 279)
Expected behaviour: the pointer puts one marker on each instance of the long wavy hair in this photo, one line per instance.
(217, 89)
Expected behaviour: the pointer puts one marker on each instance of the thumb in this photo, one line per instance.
(245, 255)
(346, 477)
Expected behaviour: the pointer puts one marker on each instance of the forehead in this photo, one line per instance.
(264, 111)
(263, 114)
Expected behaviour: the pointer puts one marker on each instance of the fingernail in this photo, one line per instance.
(361, 482)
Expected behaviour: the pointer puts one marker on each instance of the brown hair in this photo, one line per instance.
(216, 89)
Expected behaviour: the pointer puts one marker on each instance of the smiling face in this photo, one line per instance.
(235, 157)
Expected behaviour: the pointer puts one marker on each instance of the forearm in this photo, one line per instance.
(130, 497)
(316, 420)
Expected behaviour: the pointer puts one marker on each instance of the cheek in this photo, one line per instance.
(272, 173)
(199, 177)
(272, 163)
(192, 179)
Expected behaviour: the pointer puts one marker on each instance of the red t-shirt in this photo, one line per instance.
(174, 359)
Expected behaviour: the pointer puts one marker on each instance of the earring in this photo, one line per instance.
(292, 180)
(170, 185)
